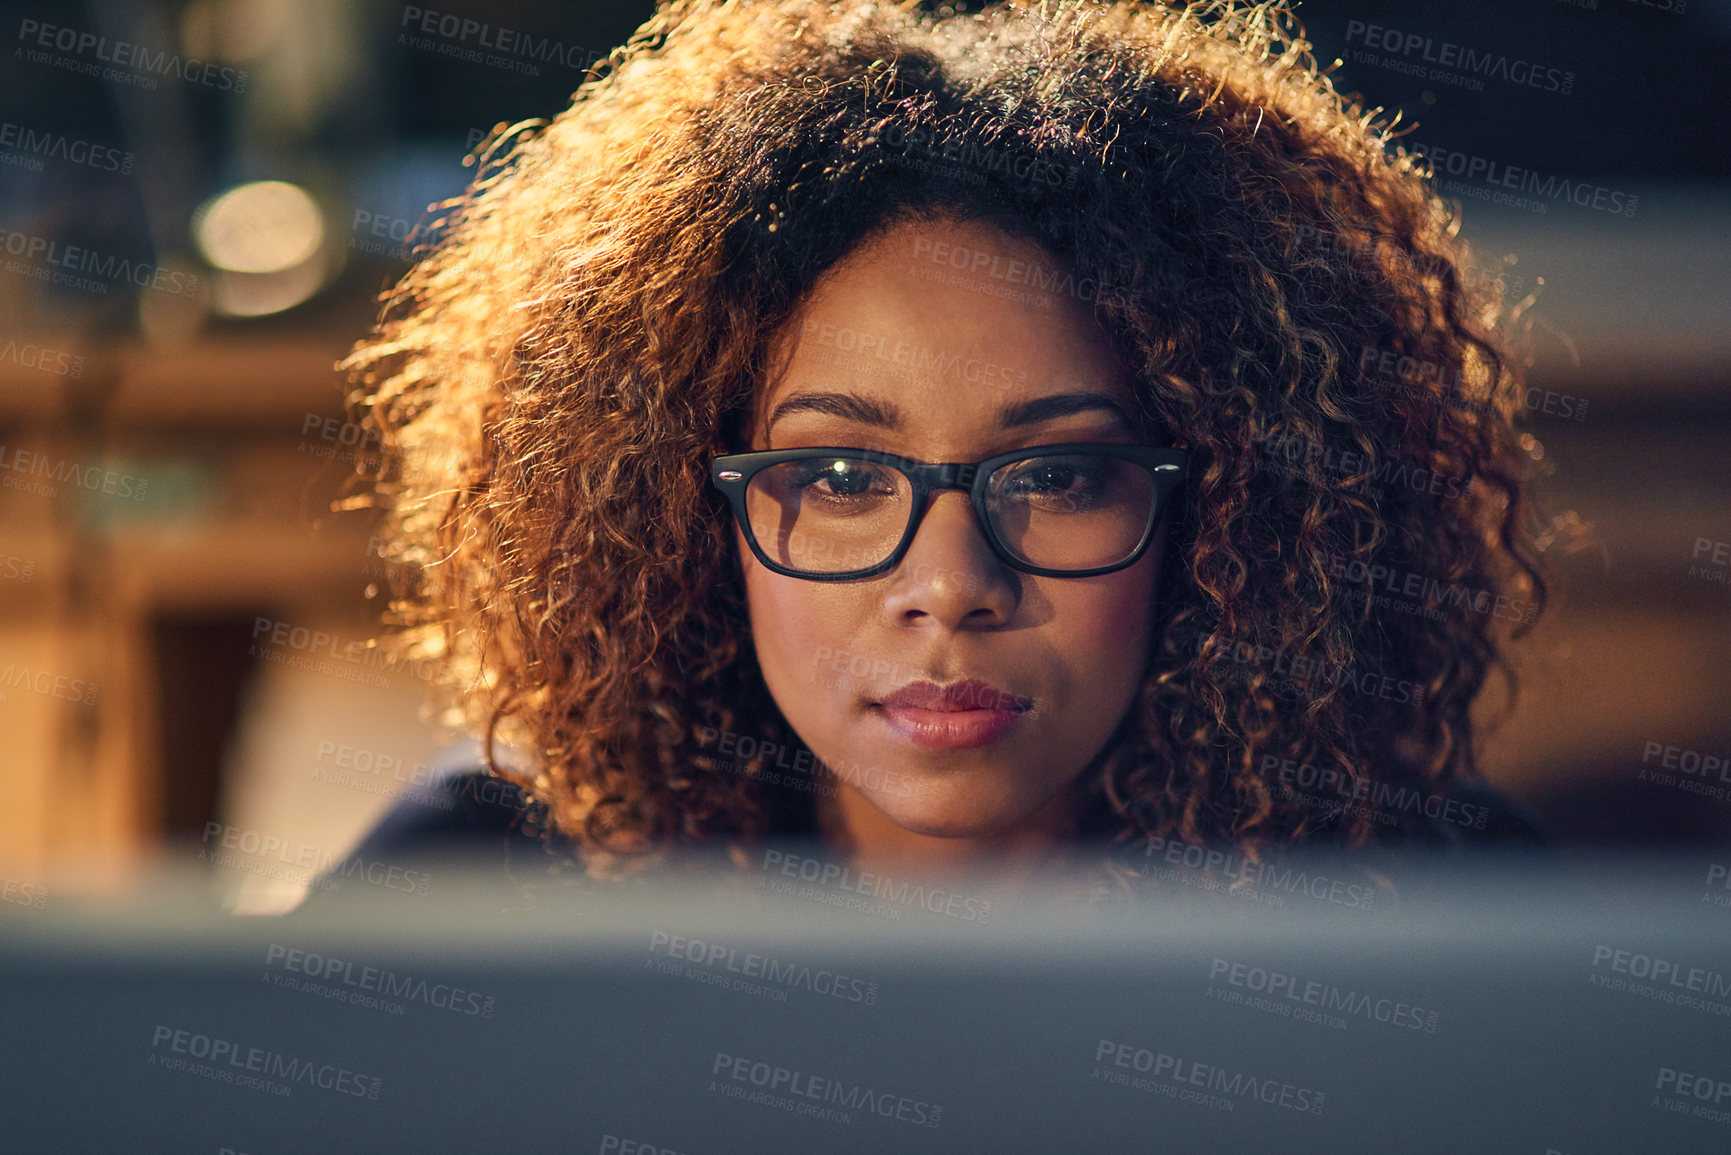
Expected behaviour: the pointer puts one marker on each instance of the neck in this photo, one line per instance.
(856, 830)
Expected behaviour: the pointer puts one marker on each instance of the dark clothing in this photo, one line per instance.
(1508, 825)
(476, 818)
(471, 813)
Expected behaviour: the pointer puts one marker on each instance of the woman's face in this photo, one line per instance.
(908, 347)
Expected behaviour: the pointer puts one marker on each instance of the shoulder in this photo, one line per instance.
(1465, 825)
(469, 811)
(468, 818)
(1476, 814)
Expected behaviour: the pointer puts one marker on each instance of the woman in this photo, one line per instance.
(1248, 599)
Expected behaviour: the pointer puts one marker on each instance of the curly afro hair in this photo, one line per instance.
(1354, 549)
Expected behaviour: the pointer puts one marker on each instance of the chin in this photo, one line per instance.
(956, 820)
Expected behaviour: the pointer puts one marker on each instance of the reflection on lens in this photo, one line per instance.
(832, 515)
(829, 514)
(1076, 511)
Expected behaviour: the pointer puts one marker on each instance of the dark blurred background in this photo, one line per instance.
(186, 249)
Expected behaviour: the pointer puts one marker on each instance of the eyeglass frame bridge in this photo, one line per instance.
(731, 473)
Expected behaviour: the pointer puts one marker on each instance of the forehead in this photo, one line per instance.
(947, 323)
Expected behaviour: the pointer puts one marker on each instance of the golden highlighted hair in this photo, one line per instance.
(1287, 291)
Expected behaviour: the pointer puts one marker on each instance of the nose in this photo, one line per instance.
(950, 575)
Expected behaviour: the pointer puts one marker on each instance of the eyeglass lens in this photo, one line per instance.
(1064, 512)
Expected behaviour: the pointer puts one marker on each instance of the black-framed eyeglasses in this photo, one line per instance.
(827, 513)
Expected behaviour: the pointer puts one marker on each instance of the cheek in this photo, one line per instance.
(1109, 618)
(796, 626)
(1109, 657)
(781, 622)
(1103, 649)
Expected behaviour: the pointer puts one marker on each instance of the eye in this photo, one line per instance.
(839, 478)
(1069, 484)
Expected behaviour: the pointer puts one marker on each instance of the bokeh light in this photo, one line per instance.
(261, 227)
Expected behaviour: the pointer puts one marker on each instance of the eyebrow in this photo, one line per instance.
(885, 415)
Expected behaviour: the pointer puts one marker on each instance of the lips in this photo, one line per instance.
(955, 697)
(959, 716)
